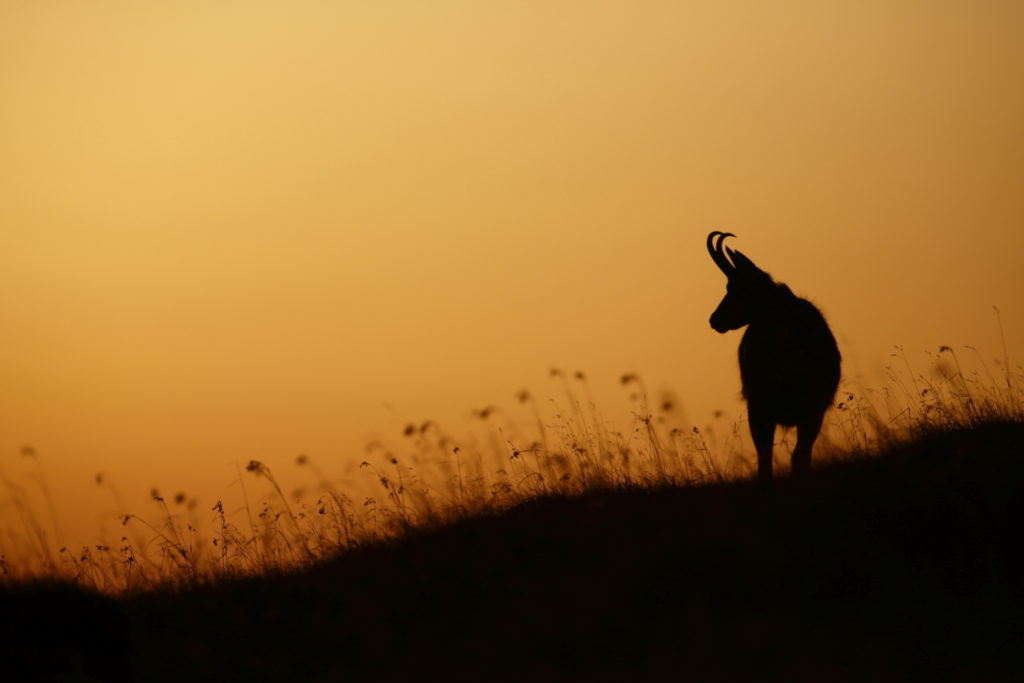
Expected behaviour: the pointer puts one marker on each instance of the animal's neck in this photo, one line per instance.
(771, 304)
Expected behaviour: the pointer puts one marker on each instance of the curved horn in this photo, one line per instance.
(715, 249)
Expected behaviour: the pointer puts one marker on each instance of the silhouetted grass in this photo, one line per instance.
(578, 552)
(903, 566)
(437, 478)
(564, 448)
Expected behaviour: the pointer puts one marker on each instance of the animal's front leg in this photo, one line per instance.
(762, 431)
(806, 433)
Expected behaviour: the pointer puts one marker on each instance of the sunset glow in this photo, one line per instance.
(234, 231)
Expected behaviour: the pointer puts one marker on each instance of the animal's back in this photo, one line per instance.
(789, 363)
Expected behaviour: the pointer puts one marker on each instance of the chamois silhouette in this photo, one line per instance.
(789, 361)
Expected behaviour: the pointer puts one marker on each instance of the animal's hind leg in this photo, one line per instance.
(762, 431)
(806, 434)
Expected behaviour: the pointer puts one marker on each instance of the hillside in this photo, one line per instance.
(904, 566)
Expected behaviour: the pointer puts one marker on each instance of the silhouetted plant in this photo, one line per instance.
(436, 478)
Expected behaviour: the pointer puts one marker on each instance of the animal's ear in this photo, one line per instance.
(742, 263)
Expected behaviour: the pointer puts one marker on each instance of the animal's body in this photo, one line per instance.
(789, 361)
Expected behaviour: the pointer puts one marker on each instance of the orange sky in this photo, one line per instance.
(238, 230)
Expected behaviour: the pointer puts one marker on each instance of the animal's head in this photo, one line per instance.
(746, 291)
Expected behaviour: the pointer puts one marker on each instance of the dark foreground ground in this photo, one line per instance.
(905, 567)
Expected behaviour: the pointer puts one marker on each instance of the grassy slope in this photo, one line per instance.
(907, 566)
